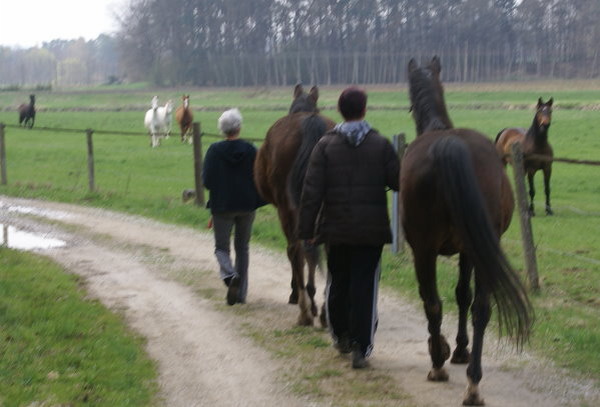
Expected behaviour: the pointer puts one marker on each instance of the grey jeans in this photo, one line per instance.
(223, 224)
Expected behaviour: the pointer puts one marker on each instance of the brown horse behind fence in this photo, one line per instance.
(27, 113)
(279, 173)
(537, 152)
(185, 117)
(457, 199)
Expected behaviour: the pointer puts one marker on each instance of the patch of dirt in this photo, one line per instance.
(163, 279)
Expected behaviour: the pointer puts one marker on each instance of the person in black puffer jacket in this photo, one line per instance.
(344, 205)
(228, 175)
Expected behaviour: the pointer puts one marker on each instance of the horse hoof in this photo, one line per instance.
(460, 357)
(549, 212)
(305, 320)
(323, 320)
(293, 298)
(437, 375)
(473, 399)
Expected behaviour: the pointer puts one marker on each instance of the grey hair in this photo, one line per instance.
(230, 121)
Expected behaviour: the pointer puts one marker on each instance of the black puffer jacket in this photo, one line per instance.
(228, 175)
(350, 183)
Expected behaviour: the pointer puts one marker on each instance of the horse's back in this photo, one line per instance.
(423, 201)
(277, 154)
(506, 138)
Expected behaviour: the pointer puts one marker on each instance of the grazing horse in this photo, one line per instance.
(27, 113)
(279, 171)
(184, 117)
(537, 152)
(158, 121)
(457, 199)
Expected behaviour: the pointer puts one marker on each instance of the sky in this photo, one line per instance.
(29, 23)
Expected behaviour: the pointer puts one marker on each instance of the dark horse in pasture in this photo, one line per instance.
(27, 113)
(185, 117)
(537, 152)
(279, 172)
(456, 199)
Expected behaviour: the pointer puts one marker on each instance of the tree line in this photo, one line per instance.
(281, 42)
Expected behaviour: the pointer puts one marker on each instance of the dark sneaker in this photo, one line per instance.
(343, 345)
(359, 361)
(233, 290)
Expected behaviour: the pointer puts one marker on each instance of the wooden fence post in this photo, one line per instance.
(524, 217)
(399, 141)
(2, 156)
(198, 164)
(90, 156)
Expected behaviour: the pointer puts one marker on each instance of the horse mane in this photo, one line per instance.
(426, 95)
(313, 128)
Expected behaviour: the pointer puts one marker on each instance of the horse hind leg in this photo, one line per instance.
(296, 258)
(312, 260)
(481, 317)
(439, 350)
(463, 299)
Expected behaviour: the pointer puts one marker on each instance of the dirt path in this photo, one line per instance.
(130, 264)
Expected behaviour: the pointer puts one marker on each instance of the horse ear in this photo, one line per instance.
(298, 90)
(412, 65)
(436, 64)
(540, 102)
(550, 101)
(314, 93)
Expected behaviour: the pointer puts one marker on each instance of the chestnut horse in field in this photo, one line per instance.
(185, 117)
(537, 152)
(457, 199)
(279, 172)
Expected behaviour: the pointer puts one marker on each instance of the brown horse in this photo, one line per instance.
(279, 172)
(27, 113)
(185, 117)
(537, 152)
(456, 198)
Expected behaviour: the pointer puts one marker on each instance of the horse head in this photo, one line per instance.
(32, 99)
(154, 103)
(427, 96)
(169, 107)
(186, 101)
(304, 102)
(543, 114)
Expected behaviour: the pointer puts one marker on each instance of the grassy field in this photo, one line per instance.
(132, 177)
(59, 348)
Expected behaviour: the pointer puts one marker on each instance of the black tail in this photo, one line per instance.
(456, 177)
(313, 128)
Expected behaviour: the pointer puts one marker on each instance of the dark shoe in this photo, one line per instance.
(343, 345)
(359, 361)
(232, 291)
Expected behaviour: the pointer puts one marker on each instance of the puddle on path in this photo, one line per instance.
(46, 213)
(14, 238)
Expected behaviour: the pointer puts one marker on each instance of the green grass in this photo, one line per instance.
(132, 177)
(59, 348)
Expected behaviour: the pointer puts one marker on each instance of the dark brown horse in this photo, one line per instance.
(279, 172)
(537, 152)
(185, 117)
(27, 113)
(456, 199)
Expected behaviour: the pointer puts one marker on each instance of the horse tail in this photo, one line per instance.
(313, 128)
(494, 274)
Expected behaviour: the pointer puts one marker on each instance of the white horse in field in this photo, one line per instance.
(158, 121)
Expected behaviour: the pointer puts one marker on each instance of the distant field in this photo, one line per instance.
(132, 177)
